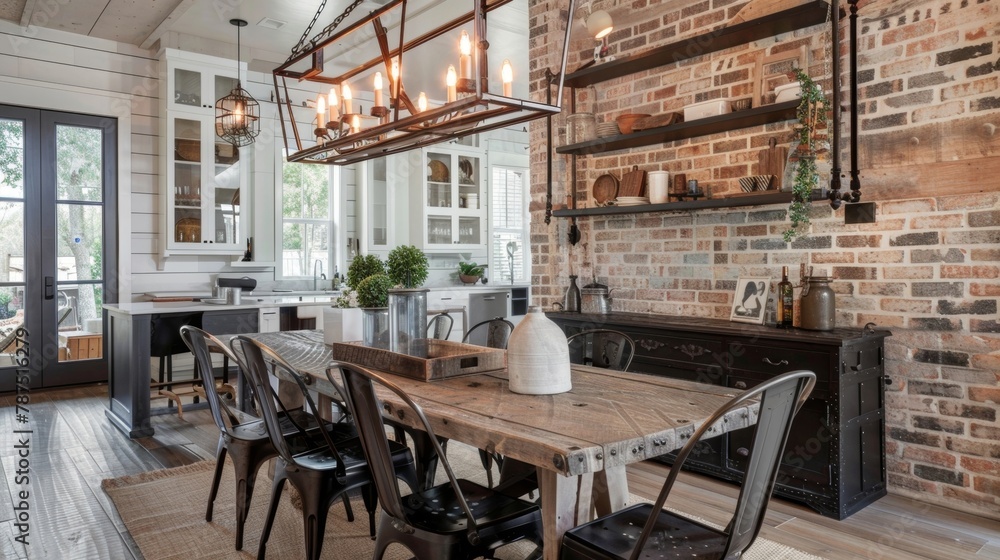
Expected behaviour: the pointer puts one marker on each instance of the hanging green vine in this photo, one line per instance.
(811, 116)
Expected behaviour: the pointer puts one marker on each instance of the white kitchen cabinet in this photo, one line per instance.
(450, 213)
(204, 180)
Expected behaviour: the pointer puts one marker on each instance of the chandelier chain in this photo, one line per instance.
(326, 32)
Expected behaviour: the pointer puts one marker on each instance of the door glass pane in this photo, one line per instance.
(79, 163)
(468, 230)
(302, 244)
(438, 180)
(439, 230)
(80, 246)
(227, 193)
(223, 86)
(187, 87)
(187, 181)
(79, 320)
(11, 158)
(11, 318)
(468, 182)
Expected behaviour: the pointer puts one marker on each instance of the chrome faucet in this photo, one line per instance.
(317, 274)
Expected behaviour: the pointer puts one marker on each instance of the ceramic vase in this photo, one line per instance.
(407, 318)
(538, 356)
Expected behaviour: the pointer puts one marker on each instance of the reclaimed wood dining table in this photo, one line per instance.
(580, 441)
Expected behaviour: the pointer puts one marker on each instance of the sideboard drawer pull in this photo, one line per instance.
(770, 363)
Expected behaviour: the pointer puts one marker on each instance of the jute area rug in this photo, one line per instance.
(164, 512)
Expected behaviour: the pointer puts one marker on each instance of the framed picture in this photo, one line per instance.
(750, 300)
(774, 70)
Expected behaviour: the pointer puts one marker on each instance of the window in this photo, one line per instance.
(307, 227)
(509, 214)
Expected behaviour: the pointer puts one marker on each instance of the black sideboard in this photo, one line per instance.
(834, 461)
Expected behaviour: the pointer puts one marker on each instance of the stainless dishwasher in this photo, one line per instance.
(484, 306)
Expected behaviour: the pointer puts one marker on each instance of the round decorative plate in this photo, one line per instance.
(465, 168)
(437, 171)
(605, 189)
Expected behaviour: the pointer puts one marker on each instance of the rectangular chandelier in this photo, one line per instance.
(341, 129)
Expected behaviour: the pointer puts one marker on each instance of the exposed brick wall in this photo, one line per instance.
(929, 269)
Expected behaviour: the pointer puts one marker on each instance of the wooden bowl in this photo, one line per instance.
(466, 279)
(626, 121)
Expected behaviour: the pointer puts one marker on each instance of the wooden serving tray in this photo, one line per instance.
(443, 358)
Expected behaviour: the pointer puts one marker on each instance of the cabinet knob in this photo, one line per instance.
(741, 384)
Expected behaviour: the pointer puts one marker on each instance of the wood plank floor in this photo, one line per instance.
(73, 447)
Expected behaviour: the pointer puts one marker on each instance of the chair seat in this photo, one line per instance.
(353, 456)
(252, 429)
(612, 537)
(436, 510)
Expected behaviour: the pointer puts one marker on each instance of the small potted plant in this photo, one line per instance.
(469, 272)
(407, 268)
(373, 298)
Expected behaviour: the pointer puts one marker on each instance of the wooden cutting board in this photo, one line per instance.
(633, 183)
(771, 161)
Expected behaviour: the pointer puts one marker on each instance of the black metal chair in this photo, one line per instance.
(492, 333)
(603, 348)
(649, 531)
(439, 326)
(455, 520)
(322, 471)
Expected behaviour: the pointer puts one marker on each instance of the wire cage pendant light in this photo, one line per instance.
(237, 115)
(344, 132)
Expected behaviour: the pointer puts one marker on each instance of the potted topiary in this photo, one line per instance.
(407, 268)
(373, 297)
(469, 272)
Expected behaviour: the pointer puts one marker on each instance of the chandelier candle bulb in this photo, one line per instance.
(422, 102)
(345, 92)
(507, 76)
(465, 57)
(320, 111)
(355, 123)
(334, 104)
(378, 89)
(451, 80)
(394, 75)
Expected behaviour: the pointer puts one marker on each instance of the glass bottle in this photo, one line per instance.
(785, 300)
(572, 301)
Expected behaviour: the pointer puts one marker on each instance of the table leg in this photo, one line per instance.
(610, 490)
(560, 498)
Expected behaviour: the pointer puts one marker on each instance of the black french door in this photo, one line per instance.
(58, 244)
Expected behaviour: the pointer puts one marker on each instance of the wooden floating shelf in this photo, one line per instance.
(799, 17)
(754, 199)
(776, 112)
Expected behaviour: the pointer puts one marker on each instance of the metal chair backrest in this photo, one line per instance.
(367, 411)
(261, 361)
(780, 400)
(202, 344)
(440, 325)
(163, 333)
(604, 348)
(492, 333)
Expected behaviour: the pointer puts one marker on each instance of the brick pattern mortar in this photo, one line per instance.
(929, 269)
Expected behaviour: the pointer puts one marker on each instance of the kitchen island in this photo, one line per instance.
(130, 329)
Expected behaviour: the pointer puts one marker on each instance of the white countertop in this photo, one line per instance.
(149, 307)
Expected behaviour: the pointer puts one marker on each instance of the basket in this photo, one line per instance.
(187, 150)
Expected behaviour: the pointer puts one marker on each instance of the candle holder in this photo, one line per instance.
(380, 113)
(467, 85)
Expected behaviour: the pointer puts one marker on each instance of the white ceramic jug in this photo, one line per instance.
(538, 356)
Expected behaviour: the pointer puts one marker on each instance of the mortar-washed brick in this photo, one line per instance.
(935, 389)
(985, 394)
(952, 408)
(984, 326)
(884, 257)
(964, 53)
(981, 69)
(853, 241)
(768, 245)
(938, 424)
(937, 474)
(984, 219)
(942, 357)
(919, 438)
(985, 432)
(952, 255)
(928, 80)
(907, 239)
(812, 242)
(887, 121)
(935, 324)
(969, 237)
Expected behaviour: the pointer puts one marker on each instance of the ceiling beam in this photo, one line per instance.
(29, 8)
(182, 7)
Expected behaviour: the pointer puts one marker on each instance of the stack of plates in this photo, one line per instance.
(607, 129)
(631, 200)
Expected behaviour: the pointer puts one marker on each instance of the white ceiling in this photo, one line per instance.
(144, 22)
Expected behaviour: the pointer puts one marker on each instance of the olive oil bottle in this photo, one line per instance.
(785, 300)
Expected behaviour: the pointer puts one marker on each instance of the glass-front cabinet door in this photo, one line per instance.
(453, 215)
(205, 184)
(194, 88)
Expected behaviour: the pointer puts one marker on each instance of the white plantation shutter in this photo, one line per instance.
(509, 213)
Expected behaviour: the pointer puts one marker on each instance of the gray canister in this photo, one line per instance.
(818, 306)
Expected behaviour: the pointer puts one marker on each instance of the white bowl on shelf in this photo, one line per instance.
(787, 92)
